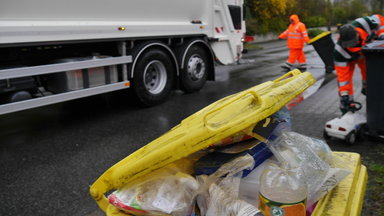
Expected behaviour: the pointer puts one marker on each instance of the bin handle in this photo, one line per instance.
(256, 97)
(291, 73)
(100, 187)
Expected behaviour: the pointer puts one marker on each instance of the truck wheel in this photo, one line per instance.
(153, 77)
(350, 139)
(195, 69)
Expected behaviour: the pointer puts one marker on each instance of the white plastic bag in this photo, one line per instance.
(218, 194)
(165, 194)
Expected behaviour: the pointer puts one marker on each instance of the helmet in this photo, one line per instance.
(348, 36)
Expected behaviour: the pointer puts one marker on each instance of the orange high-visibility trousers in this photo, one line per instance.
(296, 55)
(345, 74)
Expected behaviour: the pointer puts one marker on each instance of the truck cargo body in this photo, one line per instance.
(151, 46)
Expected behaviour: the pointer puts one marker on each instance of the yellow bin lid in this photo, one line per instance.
(318, 37)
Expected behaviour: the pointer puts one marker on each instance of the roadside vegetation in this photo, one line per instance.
(271, 16)
(374, 198)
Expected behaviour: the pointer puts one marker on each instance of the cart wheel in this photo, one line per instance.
(325, 135)
(361, 132)
(350, 139)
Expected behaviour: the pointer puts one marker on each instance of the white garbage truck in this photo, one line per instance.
(54, 51)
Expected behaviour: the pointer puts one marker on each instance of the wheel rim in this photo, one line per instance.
(352, 138)
(196, 67)
(155, 77)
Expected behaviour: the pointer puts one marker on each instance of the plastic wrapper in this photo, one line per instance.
(218, 193)
(212, 162)
(294, 149)
(167, 194)
(318, 146)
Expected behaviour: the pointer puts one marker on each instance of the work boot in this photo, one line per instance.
(344, 104)
(286, 67)
(302, 67)
(364, 89)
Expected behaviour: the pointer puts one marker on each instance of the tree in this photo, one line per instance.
(272, 15)
(268, 15)
(357, 9)
(377, 6)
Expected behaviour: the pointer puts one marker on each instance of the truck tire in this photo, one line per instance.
(195, 69)
(153, 77)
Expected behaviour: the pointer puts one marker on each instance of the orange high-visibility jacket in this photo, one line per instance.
(296, 33)
(380, 20)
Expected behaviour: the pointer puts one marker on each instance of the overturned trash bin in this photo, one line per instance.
(324, 46)
(230, 118)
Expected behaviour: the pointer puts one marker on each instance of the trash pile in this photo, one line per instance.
(279, 173)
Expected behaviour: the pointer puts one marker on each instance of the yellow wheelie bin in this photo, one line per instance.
(237, 113)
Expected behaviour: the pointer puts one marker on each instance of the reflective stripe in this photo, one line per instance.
(304, 32)
(344, 53)
(291, 37)
(376, 18)
(294, 33)
(381, 27)
(341, 64)
(344, 83)
(364, 23)
(342, 93)
(289, 65)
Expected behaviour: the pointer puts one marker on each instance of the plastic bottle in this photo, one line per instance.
(283, 191)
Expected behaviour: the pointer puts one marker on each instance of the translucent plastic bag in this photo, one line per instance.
(318, 146)
(218, 193)
(283, 190)
(295, 149)
(164, 194)
(250, 185)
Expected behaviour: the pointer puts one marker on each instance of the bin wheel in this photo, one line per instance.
(325, 135)
(351, 138)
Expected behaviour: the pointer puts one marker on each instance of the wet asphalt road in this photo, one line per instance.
(49, 156)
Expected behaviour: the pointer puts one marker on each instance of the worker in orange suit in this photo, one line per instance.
(296, 35)
(348, 54)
